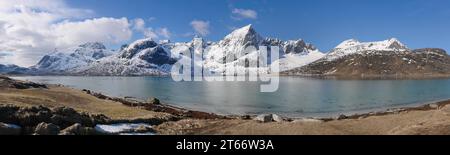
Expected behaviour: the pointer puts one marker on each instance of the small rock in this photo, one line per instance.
(264, 118)
(9, 129)
(154, 101)
(46, 129)
(341, 117)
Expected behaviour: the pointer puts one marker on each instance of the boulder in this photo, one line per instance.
(265, 118)
(9, 129)
(154, 101)
(66, 117)
(46, 129)
(143, 129)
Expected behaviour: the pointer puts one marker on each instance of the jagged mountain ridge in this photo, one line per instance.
(147, 57)
(293, 53)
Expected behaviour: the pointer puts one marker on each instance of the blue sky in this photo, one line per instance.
(325, 23)
(29, 29)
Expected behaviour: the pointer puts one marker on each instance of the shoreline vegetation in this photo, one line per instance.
(32, 108)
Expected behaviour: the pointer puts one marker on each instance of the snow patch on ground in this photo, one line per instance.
(11, 126)
(122, 128)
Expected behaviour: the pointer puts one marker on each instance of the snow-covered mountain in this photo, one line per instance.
(383, 58)
(142, 57)
(72, 60)
(147, 57)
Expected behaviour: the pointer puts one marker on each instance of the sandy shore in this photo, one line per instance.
(427, 119)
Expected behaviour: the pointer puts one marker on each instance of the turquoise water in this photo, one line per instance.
(296, 97)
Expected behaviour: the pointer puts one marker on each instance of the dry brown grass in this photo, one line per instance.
(62, 96)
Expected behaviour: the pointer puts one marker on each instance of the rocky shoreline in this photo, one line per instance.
(153, 105)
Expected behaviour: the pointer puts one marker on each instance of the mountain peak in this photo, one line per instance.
(395, 44)
(244, 30)
(393, 39)
(247, 27)
(244, 35)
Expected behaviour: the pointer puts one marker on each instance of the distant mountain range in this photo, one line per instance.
(147, 57)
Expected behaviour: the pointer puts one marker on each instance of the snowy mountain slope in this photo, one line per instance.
(291, 61)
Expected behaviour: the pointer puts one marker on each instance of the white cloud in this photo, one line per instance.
(4, 54)
(150, 33)
(164, 32)
(139, 25)
(200, 27)
(57, 8)
(109, 30)
(30, 29)
(240, 14)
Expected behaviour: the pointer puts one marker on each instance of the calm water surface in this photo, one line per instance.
(296, 97)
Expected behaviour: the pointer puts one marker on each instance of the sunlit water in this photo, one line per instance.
(296, 97)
